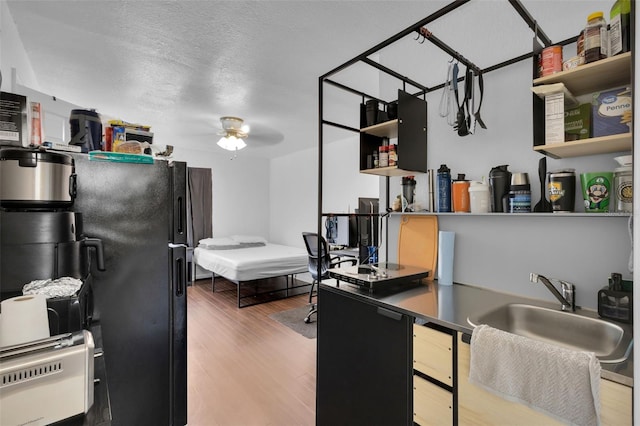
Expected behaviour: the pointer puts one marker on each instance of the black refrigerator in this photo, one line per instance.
(139, 212)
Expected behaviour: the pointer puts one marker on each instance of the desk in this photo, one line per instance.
(396, 274)
(349, 252)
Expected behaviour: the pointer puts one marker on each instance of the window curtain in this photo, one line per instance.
(200, 204)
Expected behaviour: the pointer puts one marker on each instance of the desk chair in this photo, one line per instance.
(325, 260)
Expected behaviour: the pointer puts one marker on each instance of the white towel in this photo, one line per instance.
(562, 383)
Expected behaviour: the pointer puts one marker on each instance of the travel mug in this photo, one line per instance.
(520, 193)
(499, 181)
(562, 190)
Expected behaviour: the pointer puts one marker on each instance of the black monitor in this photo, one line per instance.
(367, 225)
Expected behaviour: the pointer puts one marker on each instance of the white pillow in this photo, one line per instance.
(248, 239)
(219, 241)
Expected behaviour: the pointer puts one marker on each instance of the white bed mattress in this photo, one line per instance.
(251, 263)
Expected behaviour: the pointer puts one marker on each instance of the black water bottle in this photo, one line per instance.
(444, 189)
(499, 185)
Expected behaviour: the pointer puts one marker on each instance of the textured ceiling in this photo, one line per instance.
(180, 65)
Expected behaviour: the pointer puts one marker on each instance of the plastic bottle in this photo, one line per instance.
(393, 156)
(444, 189)
(620, 27)
(479, 197)
(595, 38)
(383, 159)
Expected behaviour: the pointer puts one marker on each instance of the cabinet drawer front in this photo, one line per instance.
(480, 407)
(616, 402)
(432, 405)
(433, 353)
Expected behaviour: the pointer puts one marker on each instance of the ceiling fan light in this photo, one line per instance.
(231, 143)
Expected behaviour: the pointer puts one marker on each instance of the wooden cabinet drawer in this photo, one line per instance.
(432, 405)
(433, 353)
(479, 407)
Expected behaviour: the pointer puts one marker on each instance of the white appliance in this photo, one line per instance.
(47, 380)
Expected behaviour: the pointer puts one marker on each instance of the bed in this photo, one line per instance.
(252, 262)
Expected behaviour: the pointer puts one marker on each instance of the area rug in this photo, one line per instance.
(294, 319)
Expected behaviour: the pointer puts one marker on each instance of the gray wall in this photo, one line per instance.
(499, 251)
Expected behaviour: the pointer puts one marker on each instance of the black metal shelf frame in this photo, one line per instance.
(421, 30)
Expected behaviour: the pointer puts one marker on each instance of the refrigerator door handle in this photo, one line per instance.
(180, 274)
(180, 226)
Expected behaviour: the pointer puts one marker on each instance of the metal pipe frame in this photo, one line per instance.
(417, 27)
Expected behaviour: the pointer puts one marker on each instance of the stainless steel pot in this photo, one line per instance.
(32, 179)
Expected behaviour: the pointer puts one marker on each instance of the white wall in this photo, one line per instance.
(12, 53)
(240, 191)
(294, 188)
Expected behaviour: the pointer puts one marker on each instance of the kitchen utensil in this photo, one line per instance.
(542, 206)
(461, 122)
(471, 104)
(477, 113)
(463, 110)
(445, 109)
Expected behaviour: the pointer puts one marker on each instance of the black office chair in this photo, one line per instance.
(326, 262)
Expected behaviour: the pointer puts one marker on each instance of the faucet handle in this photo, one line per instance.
(569, 293)
(567, 285)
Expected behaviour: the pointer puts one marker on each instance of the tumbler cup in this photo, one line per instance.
(596, 191)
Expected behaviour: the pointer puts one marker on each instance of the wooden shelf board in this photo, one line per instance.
(588, 78)
(388, 129)
(389, 171)
(592, 146)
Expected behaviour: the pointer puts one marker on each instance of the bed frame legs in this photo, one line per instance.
(289, 282)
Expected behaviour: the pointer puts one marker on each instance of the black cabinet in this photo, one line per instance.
(364, 362)
(410, 130)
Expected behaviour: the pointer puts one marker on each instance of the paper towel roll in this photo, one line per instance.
(445, 257)
(23, 319)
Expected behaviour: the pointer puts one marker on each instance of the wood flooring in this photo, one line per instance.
(243, 367)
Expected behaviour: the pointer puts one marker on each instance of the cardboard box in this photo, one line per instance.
(13, 119)
(611, 112)
(554, 118)
(577, 123)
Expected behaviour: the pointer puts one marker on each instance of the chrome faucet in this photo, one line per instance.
(568, 296)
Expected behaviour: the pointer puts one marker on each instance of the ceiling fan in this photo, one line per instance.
(233, 133)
